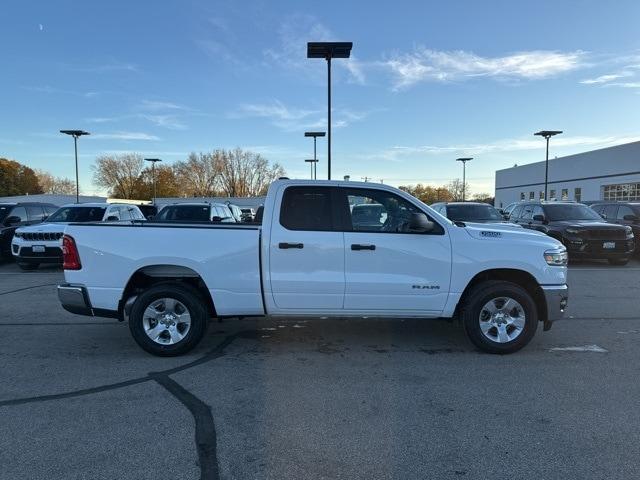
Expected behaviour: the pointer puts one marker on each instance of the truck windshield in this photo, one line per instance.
(570, 212)
(470, 213)
(184, 213)
(77, 214)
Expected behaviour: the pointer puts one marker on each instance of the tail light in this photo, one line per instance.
(70, 256)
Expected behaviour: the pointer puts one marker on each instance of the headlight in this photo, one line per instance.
(629, 231)
(572, 231)
(17, 234)
(556, 257)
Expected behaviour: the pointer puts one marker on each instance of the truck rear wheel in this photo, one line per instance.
(499, 317)
(168, 319)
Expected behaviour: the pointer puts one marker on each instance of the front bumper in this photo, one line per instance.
(556, 298)
(593, 248)
(25, 254)
(75, 299)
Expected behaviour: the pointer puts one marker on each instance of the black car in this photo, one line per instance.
(579, 228)
(469, 212)
(621, 213)
(19, 214)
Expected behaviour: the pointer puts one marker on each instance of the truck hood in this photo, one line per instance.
(57, 227)
(587, 225)
(508, 233)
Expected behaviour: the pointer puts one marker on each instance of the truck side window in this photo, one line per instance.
(380, 211)
(306, 208)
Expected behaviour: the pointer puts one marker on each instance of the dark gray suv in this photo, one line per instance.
(19, 214)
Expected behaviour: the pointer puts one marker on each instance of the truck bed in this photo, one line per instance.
(226, 257)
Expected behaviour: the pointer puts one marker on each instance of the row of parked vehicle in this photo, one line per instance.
(604, 230)
(31, 232)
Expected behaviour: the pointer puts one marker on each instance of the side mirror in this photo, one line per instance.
(45, 217)
(420, 223)
(538, 218)
(216, 219)
(112, 218)
(630, 218)
(12, 220)
(150, 217)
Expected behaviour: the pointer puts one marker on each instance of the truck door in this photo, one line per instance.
(388, 268)
(306, 253)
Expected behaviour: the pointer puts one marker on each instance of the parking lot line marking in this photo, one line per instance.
(28, 288)
(584, 348)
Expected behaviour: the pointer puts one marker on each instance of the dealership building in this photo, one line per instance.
(611, 173)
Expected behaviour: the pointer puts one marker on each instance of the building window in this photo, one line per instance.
(521, 195)
(552, 194)
(565, 194)
(541, 195)
(577, 194)
(532, 195)
(626, 192)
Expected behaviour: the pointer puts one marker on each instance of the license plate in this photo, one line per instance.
(38, 249)
(609, 245)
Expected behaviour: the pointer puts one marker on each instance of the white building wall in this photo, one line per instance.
(589, 171)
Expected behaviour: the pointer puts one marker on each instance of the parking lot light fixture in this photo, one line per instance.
(315, 135)
(153, 174)
(75, 134)
(464, 161)
(329, 50)
(312, 161)
(547, 134)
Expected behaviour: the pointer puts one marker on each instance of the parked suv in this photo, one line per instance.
(42, 243)
(476, 212)
(579, 228)
(14, 215)
(621, 213)
(195, 212)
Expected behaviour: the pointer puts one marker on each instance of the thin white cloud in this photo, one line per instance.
(166, 121)
(425, 64)
(398, 152)
(124, 136)
(625, 84)
(606, 78)
(154, 105)
(292, 119)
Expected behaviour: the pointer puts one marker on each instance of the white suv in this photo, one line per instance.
(42, 243)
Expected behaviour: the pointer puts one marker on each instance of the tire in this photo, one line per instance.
(515, 328)
(28, 266)
(160, 310)
(618, 261)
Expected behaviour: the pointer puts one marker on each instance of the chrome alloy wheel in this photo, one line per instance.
(502, 319)
(166, 321)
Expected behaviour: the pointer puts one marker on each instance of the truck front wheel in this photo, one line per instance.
(168, 319)
(499, 316)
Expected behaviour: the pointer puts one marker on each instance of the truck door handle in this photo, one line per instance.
(285, 245)
(358, 246)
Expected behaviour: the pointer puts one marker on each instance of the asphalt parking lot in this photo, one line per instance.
(327, 399)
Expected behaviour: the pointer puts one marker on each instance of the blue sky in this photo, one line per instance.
(428, 82)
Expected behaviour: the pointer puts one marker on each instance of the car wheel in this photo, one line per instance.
(168, 319)
(29, 266)
(499, 317)
(618, 261)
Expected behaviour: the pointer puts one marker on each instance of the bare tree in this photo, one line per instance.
(246, 174)
(199, 175)
(455, 187)
(120, 174)
(55, 185)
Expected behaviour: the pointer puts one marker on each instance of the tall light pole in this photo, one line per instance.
(329, 50)
(153, 174)
(315, 135)
(75, 134)
(313, 162)
(547, 134)
(464, 173)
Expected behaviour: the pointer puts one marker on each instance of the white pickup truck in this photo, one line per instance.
(307, 255)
